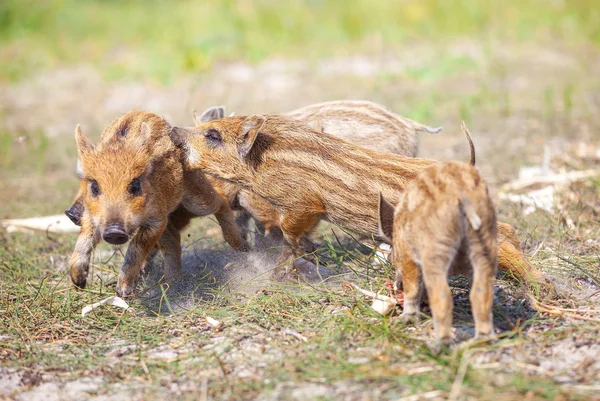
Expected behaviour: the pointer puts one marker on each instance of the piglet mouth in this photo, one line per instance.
(115, 234)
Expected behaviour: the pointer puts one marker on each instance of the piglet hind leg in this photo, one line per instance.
(436, 263)
(170, 246)
(139, 248)
(408, 271)
(201, 199)
(231, 230)
(293, 227)
(484, 262)
(80, 259)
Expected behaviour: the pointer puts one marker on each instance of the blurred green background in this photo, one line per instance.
(521, 73)
(161, 39)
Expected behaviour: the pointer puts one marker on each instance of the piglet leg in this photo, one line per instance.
(435, 275)
(80, 259)
(170, 246)
(410, 275)
(202, 199)
(231, 230)
(139, 248)
(293, 227)
(484, 261)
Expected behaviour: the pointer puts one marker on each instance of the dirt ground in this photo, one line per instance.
(312, 340)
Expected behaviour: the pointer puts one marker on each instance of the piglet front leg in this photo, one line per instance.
(80, 259)
(293, 226)
(139, 248)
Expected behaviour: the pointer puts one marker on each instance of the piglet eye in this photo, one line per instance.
(213, 135)
(135, 187)
(94, 188)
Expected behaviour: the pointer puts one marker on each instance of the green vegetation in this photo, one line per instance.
(524, 77)
(164, 39)
(347, 343)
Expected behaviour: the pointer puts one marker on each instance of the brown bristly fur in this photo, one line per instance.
(443, 225)
(305, 174)
(361, 122)
(137, 146)
(364, 123)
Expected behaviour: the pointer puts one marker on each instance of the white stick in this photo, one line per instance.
(114, 301)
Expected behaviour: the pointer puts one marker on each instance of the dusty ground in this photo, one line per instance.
(518, 101)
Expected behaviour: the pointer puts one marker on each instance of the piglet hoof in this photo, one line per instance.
(408, 318)
(439, 347)
(307, 245)
(485, 338)
(79, 277)
(79, 283)
(245, 247)
(74, 213)
(76, 219)
(285, 274)
(124, 289)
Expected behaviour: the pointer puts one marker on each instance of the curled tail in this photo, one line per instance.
(470, 213)
(471, 146)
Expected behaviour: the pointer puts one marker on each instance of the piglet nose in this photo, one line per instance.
(115, 234)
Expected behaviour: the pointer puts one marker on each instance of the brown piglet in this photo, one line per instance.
(306, 175)
(361, 122)
(444, 225)
(134, 187)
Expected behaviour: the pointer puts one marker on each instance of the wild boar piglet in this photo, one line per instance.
(306, 175)
(444, 225)
(361, 122)
(135, 188)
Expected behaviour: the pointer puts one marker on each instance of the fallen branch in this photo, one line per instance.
(114, 301)
(371, 293)
(561, 178)
(295, 334)
(552, 310)
(49, 224)
(217, 325)
(382, 304)
(436, 394)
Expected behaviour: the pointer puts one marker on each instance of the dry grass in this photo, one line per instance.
(519, 94)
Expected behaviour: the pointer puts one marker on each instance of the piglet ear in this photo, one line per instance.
(386, 219)
(84, 145)
(179, 136)
(212, 113)
(140, 141)
(248, 132)
(79, 169)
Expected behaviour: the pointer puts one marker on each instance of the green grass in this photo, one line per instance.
(164, 39)
(350, 349)
(348, 343)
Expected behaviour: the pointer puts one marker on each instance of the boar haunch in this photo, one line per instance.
(444, 225)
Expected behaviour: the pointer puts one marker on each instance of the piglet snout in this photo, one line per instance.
(115, 234)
